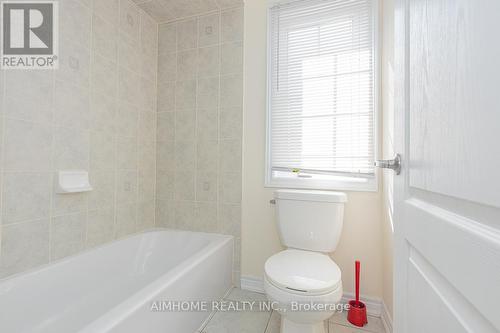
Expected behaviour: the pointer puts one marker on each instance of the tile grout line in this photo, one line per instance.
(115, 134)
(139, 120)
(155, 139)
(195, 125)
(268, 322)
(52, 164)
(3, 96)
(219, 176)
(91, 62)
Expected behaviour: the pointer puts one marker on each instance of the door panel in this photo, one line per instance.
(435, 307)
(447, 198)
(454, 71)
(461, 250)
(426, 307)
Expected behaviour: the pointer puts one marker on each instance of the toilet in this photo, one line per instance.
(303, 282)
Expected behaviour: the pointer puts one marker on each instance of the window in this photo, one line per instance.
(321, 98)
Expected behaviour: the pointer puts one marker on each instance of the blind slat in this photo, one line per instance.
(322, 86)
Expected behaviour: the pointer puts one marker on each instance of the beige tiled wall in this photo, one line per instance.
(200, 101)
(98, 113)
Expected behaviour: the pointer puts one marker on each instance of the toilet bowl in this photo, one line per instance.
(305, 288)
(303, 282)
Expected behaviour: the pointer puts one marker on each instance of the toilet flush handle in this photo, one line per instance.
(272, 202)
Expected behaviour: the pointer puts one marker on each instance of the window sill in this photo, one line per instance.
(355, 185)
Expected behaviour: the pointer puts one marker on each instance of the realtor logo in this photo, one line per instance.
(29, 34)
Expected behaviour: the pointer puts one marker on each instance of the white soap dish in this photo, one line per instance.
(73, 181)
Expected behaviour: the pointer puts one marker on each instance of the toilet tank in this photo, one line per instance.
(310, 220)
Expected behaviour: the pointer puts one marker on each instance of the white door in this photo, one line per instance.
(447, 198)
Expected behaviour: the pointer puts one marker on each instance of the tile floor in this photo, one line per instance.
(269, 322)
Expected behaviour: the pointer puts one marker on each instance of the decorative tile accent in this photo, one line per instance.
(208, 30)
(74, 63)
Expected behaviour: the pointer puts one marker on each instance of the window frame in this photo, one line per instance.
(372, 183)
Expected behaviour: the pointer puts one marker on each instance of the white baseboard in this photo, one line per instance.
(373, 305)
(252, 283)
(386, 318)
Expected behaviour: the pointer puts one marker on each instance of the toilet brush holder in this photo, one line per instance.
(357, 313)
(357, 310)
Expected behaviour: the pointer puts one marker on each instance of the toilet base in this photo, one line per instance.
(288, 326)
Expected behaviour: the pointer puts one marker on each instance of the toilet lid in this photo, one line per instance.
(303, 271)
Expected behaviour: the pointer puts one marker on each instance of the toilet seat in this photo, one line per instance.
(303, 272)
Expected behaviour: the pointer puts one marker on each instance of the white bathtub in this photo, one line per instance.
(111, 288)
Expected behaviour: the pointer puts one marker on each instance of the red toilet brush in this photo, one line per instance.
(357, 310)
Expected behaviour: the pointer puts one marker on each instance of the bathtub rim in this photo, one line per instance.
(61, 261)
(116, 314)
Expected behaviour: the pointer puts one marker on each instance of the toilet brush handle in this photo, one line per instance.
(358, 268)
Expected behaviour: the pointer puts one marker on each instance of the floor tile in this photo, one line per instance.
(238, 322)
(274, 323)
(242, 295)
(266, 322)
(334, 328)
(374, 324)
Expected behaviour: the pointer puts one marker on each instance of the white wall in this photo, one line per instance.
(361, 237)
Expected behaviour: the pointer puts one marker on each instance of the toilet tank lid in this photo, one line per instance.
(311, 195)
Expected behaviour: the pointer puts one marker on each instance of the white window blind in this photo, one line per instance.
(321, 77)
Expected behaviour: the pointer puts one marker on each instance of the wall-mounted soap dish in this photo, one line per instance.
(73, 181)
